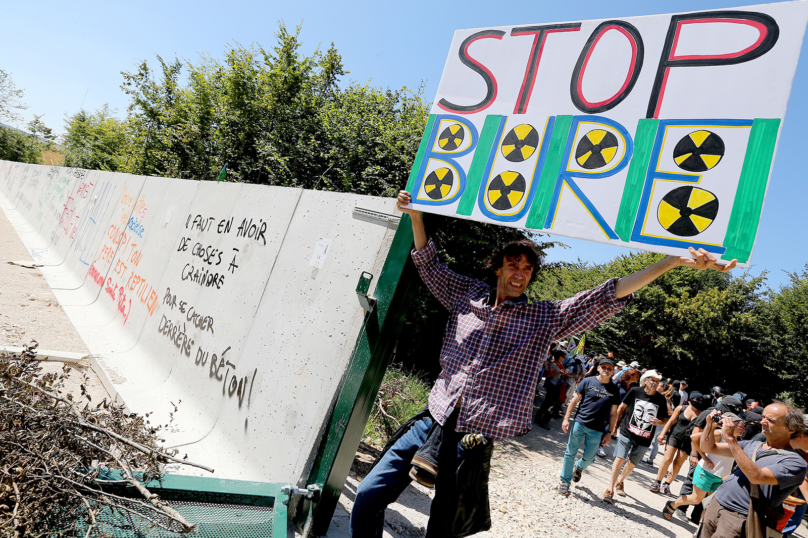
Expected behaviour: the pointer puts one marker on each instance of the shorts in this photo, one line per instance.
(706, 481)
(682, 444)
(629, 450)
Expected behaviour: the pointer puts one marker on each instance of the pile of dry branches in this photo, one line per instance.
(54, 457)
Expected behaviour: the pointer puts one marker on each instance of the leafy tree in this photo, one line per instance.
(704, 326)
(10, 99)
(19, 147)
(785, 326)
(97, 141)
(38, 128)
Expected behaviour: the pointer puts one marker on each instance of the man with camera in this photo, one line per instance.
(769, 471)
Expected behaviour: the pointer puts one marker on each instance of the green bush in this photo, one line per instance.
(401, 395)
(19, 147)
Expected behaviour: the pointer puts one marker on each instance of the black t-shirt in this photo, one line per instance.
(596, 402)
(642, 408)
(701, 420)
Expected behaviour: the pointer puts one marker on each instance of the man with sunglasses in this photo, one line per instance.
(595, 404)
(644, 408)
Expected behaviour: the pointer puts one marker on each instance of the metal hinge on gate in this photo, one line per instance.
(311, 492)
(362, 291)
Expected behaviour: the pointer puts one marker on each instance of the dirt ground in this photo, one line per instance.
(29, 311)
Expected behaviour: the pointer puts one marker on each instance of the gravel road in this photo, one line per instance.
(30, 311)
(524, 499)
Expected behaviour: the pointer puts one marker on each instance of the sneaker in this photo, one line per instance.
(666, 489)
(655, 488)
(680, 515)
(602, 453)
(619, 489)
(648, 461)
(576, 474)
(563, 489)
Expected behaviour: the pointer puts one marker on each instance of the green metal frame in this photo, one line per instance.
(370, 359)
(371, 356)
(216, 490)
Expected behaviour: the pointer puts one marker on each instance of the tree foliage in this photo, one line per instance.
(704, 326)
(10, 99)
(96, 141)
(20, 147)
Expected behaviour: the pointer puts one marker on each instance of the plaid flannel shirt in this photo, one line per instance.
(492, 357)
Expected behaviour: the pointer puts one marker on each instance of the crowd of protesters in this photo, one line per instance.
(747, 463)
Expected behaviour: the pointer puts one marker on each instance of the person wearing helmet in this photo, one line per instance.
(717, 393)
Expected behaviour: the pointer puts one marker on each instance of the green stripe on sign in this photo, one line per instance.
(420, 155)
(549, 173)
(745, 216)
(638, 169)
(478, 164)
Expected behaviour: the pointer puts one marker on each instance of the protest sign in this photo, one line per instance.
(656, 133)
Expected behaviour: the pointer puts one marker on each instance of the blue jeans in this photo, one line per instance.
(654, 445)
(390, 477)
(591, 439)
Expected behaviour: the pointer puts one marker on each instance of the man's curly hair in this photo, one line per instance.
(514, 251)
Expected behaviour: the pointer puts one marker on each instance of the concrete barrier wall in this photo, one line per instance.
(236, 302)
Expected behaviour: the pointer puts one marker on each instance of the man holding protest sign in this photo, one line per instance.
(495, 345)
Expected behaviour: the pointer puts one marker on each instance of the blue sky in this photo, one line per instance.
(66, 55)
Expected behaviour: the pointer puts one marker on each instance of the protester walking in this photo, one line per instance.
(554, 380)
(712, 469)
(677, 434)
(595, 406)
(643, 408)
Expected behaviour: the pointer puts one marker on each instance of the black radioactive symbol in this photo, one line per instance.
(506, 190)
(596, 149)
(687, 211)
(519, 144)
(699, 151)
(452, 137)
(438, 183)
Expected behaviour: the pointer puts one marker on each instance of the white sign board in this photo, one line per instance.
(656, 133)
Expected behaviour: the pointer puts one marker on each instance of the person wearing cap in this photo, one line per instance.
(595, 405)
(643, 408)
(621, 367)
(683, 396)
(773, 467)
(711, 470)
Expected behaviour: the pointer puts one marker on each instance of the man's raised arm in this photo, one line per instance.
(417, 217)
(704, 260)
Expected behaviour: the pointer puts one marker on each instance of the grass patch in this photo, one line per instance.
(401, 395)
